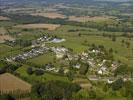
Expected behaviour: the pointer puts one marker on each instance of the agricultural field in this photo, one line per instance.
(11, 83)
(66, 50)
(93, 19)
(52, 15)
(5, 37)
(38, 26)
(2, 18)
(2, 30)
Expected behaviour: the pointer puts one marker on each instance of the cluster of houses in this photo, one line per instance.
(60, 51)
(29, 54)
(45, 39)
(96, 66)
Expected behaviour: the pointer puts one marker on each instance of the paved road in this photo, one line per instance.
(106, 78)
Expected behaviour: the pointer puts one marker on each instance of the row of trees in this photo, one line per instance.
(54, 90)
(28, 19)
(30, 71)
(124, 70)
(9, 67)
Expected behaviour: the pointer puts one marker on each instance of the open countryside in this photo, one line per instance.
(66, 50)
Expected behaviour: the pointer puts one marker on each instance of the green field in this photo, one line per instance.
(6, 50)
(81, 43)
(43, 59)
(45, 77)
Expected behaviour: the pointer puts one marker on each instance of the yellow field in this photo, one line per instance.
(52, 15)
(9, 83)
(88, 18)
(39, 26)
(4, 18)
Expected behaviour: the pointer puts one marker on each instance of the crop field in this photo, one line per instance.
(2, 18)
(52, 15)
(88, 18)
(9, 83)
(5, 37)
(39, 26)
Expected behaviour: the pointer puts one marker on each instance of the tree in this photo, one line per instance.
(117, 84)
(39, 72)
(129, 90)
(113, 38)
(61, 70)
(123, 70)
(83, 69)
(70, 75)
(55, 90)
(110, 50)
(29, 70)
(92, 94)
(79, 34)
(128, 44)
(9, 97)
(123, 41)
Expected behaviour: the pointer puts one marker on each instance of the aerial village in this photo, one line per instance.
(99, 62)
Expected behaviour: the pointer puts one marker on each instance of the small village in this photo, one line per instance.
(101, 67)
(66, 49)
